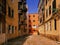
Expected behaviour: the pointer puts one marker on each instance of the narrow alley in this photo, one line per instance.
(29, 22)
(32, 40)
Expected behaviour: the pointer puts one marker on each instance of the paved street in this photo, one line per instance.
(32, 40)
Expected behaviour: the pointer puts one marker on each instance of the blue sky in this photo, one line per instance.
(32, 6)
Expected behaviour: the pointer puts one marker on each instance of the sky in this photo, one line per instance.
(32, 6)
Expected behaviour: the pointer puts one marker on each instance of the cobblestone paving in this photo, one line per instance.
(32, 40)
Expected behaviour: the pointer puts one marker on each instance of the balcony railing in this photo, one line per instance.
(54, 10)
(24, 9)
(19, 0)
(24, 2)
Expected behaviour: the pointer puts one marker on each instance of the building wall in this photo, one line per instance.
(2, 20)
(33, 23)
(22, 21)
(12, 22)
(51, 20)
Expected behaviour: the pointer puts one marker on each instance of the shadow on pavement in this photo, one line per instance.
(17, 41)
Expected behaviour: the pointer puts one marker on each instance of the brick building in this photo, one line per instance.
(11, 18)
(49, 17)
(33, 23)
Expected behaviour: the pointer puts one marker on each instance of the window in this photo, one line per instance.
(25, 30)
(12, 13)
(12, 1)
(19, 27)
(54, 5)
(46, 2)
(46, 26)
(9, 28)
(55, 24)
(19, 6)
(43, 17)
(9, 11)
(33, 25)
(50, 26)
(0, 8)
(22, 22)
(29, 30)
(40, 20)
(29, 20)
(0, 27)
(12, 29)
(46, 12)
(33, 15)
(34, 30)
(50, 10)
(29, 25)
(15, 27)
(29, 16)
(33, 20)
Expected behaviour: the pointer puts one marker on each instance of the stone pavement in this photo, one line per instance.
(39, 40)
(32, 40)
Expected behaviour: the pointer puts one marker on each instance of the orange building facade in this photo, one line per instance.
(49, 16)
(13, 19)
(33, 23)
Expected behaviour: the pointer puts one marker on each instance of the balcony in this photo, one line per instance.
(54, 10)
(24, 9)
(20, 12)
(24, 2)
(19, 0)
(20, 3)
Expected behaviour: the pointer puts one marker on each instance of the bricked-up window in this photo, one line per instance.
(54, 5)
(9, 12)
(12, 29)
(55, 24)
(12, 13)
(49, 9)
